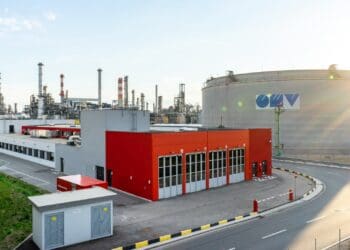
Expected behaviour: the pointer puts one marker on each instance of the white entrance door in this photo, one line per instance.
(217, 168)
(195, 172)
(236, 165)
(170, 176)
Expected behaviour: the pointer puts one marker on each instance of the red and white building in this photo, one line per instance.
(157, 165)
(120, 147)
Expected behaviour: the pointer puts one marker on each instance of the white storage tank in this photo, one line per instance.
(66, 218)
(316, 117)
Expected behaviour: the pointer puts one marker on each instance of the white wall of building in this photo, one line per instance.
(94, 124)
(26, 143)
(77, 223)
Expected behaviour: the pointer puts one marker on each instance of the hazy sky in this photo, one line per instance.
(163, 42)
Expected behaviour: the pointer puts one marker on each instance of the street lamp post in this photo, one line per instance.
(295, 187)
(278, 111)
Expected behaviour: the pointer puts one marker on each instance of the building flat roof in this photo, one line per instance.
(81, 180)
(32, 139)
(62, 199)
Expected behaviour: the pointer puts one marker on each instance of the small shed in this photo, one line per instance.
(66, 218)
(75, 182)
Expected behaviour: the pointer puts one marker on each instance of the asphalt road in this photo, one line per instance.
(312, 224)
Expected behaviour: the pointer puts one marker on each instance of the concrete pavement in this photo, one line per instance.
(136, 220)
(294, 228)
(150, 220)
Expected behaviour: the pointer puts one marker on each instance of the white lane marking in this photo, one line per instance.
(233, 248)
(316, 219)
(273, 234)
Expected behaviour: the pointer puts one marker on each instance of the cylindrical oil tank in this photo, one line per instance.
(315, 105)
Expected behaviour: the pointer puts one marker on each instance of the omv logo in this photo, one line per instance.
(271, 101)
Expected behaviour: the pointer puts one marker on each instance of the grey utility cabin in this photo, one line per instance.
(66, 218)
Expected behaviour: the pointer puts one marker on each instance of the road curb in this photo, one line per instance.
(311, 193)
(164, 239)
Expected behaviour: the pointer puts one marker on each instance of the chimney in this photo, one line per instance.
(133, 98)
(62, 89)
(66, 94)
(137, 102)
(120, 92)
(45, 90)
(126, 91)
(156, 105)
(99, 87)
(15, 108)
(160, 104)
(40, 65)
(142, 101)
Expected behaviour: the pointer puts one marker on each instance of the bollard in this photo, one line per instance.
(255, 206)
(291, 198)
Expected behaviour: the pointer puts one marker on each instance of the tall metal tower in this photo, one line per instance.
(278, 146)
(2, 104)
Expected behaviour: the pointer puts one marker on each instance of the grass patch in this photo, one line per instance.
(15, 210)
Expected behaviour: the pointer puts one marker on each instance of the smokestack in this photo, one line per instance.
(45, 90)
(120, 92)
(99, 88)
(126, 91)
(156, 106)
(142, 101)
(182, 98)
(138, 102)
(15, 108)
(40, 65)
(133, 98)
(66, 94)
(62, 89)
(160, 104)
(147, 106)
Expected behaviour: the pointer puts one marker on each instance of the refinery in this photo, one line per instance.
(43, 106)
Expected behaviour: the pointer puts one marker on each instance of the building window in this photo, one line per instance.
(30, 151)
(36, 152)
(10, 147)
(42, 154)
(170, 171)
(217, 164)
(49, 156)
(236, 161)
(24, 150)
(195, 167)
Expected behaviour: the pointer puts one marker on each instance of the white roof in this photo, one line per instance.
(175, 127)
(61, 198)
(33, 139)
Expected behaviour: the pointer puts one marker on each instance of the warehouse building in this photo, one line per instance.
(120, 147)
(15, 139)
(157, 165)
(314, 105)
